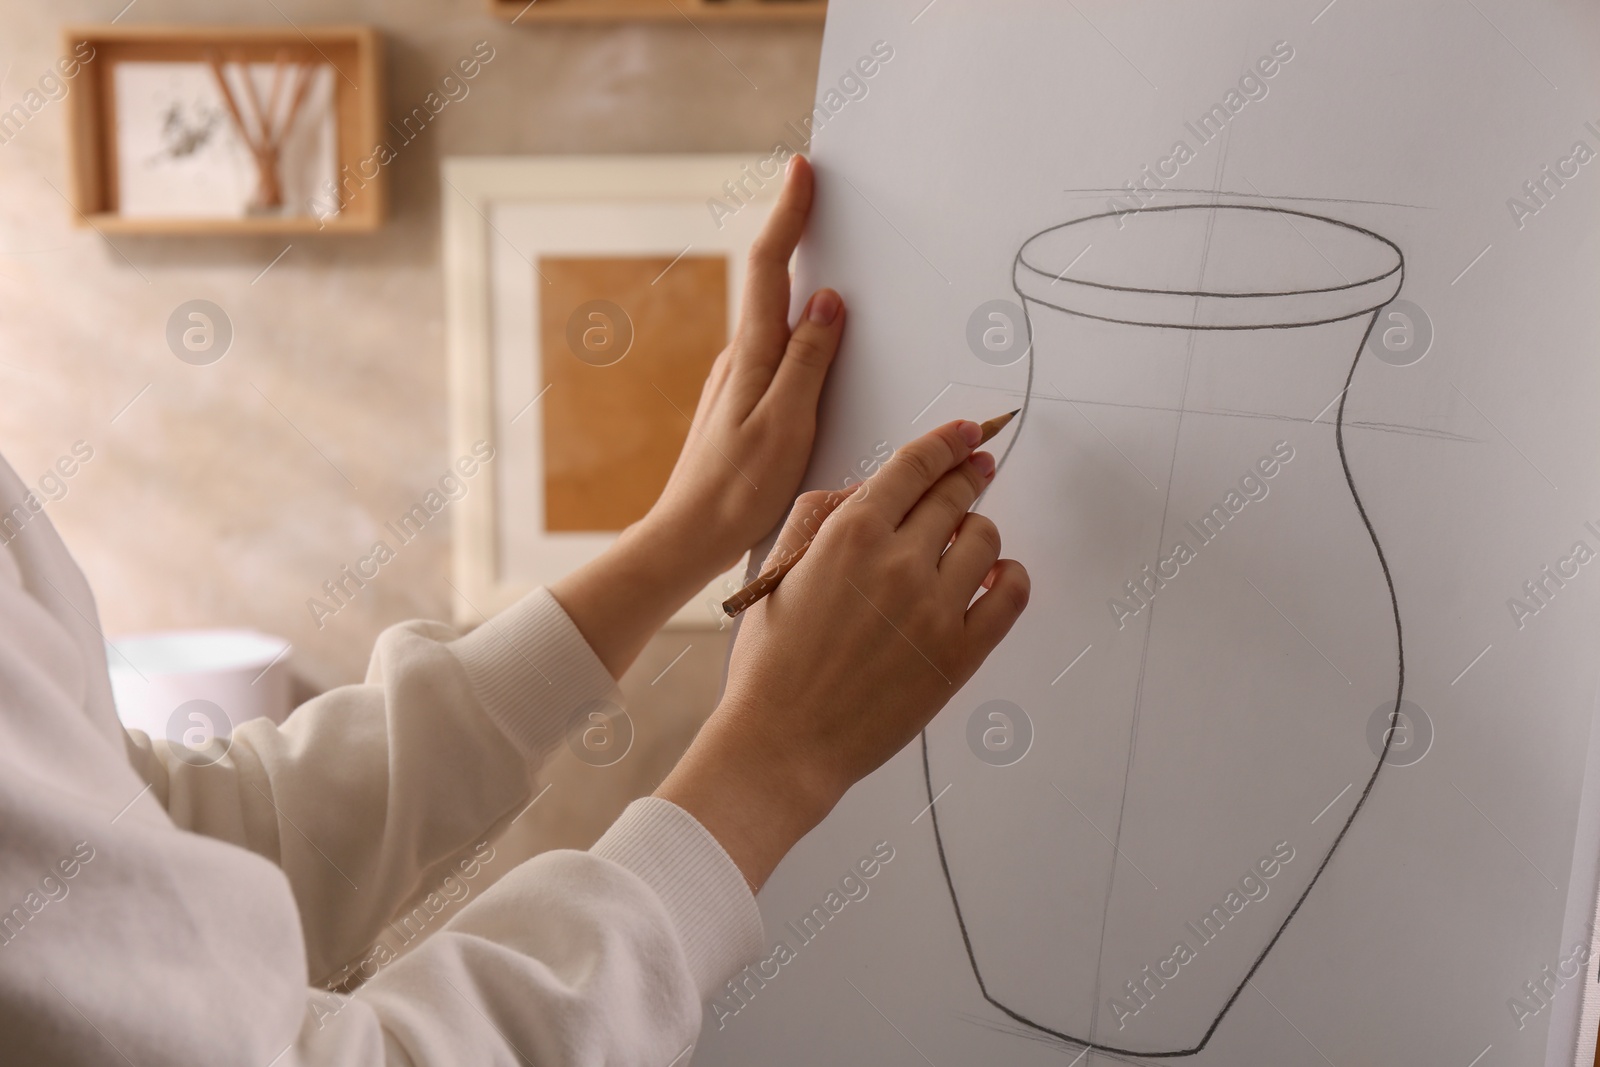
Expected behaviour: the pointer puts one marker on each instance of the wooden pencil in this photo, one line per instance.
(770, 576)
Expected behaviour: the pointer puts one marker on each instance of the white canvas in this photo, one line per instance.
(180, 156)
(1302, 328)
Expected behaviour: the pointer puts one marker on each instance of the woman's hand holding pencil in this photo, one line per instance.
(780, 563)
(871, 632)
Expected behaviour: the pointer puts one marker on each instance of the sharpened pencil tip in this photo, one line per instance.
(996, 424)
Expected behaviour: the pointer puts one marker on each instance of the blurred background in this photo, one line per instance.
(224, 495)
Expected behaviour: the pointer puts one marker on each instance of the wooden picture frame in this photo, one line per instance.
(355, 55)
(524, 233)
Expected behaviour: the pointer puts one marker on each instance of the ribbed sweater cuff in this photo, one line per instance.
(707, 897)
(534, 672)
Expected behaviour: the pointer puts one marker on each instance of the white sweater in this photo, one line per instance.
(153, 912)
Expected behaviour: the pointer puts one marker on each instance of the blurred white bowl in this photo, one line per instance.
(241, 673)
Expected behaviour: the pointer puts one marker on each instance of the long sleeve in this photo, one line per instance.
(125, 937)
(367, 795)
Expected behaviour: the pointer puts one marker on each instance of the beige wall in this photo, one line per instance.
(207, 502)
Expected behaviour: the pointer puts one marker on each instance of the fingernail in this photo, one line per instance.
(824, 307)
(983, 463)
(970, 432)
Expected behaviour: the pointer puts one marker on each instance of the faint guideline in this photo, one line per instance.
(1231, 694)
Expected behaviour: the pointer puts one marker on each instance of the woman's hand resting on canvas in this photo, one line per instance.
(745, 452)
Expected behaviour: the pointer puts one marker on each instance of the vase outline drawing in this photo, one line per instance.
(1200, 311)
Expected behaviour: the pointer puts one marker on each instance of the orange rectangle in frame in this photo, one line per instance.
(625, 343)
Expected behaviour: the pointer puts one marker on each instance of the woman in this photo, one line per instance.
(156, 911)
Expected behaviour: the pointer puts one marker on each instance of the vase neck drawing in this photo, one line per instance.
(1198, 271)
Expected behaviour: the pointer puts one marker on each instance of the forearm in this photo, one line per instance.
(381, 785)
(756, 806)
(577, 958)
(622, 597)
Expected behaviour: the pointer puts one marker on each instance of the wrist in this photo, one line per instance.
(687, 539)
(757, 803)
(621, 598)
(663, 562)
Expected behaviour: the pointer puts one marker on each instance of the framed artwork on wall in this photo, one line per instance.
(586, 299)
(191, 129)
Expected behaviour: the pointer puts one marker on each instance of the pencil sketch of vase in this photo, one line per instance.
(1181, 464)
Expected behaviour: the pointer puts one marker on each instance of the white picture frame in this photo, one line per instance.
(499, 214)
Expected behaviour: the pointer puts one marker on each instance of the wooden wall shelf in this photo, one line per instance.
(354, 52)
(758, 11)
